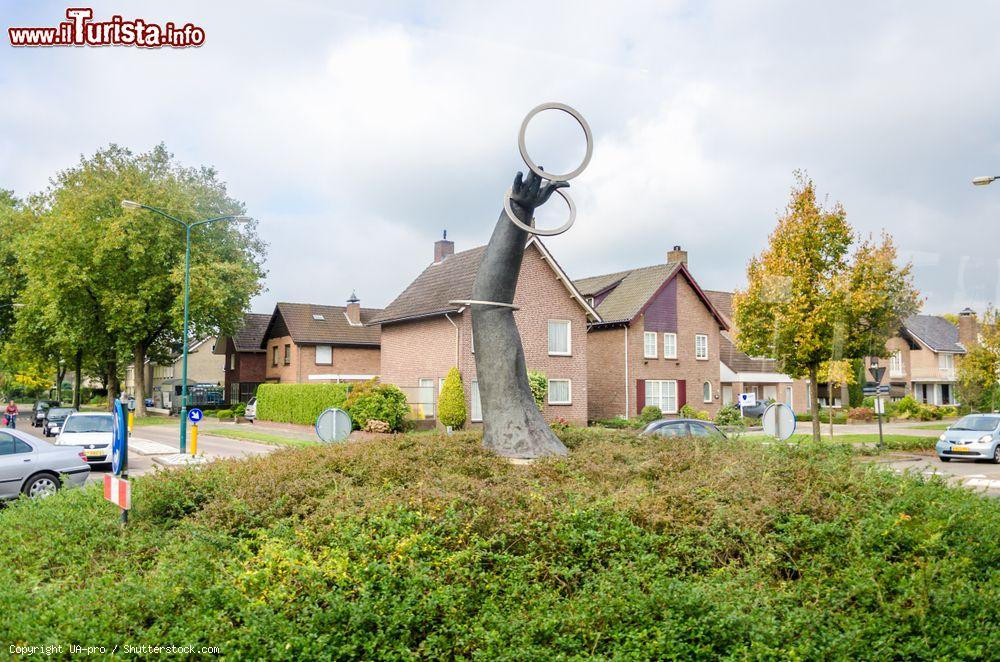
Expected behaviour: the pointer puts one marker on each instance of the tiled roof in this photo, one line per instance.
(452, 280)
(429, 294)
(723, 302)
(737, 361)
(636, 287)
(312, 324)
(936, 332)
(251, 334)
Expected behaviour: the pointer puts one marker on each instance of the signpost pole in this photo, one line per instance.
(877, 373)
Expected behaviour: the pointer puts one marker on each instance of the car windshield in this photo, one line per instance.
(59, 413)
(88, 424)
(977, 423)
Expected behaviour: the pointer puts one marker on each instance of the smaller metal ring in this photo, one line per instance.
(532, 230)
(586, 134)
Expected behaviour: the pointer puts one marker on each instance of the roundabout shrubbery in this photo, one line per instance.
(426, 545)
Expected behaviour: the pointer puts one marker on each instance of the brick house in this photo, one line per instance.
(424, 335)
(923, 357)
(656, 342)
(309, 343)
(244, 365)
(740, 373)
(163, 379)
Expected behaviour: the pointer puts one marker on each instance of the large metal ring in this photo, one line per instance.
(533, 230)
(586, 132)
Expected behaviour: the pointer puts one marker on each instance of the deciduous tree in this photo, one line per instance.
(809, 300)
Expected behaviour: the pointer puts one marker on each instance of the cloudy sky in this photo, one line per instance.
(357, 132)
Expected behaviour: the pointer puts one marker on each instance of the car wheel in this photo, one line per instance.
(41, 486)
(996, 454)
(946, 459)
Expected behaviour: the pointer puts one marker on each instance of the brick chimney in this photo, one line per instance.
(677, 255)
(443, 248)
(354, 310)
(968, 328)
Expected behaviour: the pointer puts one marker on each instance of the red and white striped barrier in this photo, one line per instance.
(118, 491)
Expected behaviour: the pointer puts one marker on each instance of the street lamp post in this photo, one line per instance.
(128, 204)
(983, 181)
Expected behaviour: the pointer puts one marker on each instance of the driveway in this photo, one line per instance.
(149, 442)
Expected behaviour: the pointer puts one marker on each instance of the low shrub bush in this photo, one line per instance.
(224, 414)
(428, 546)
(539, 384)
(451, 402)
(649, 414)
(298, 403)
(729, 416)
(861, 414)
(381, 402)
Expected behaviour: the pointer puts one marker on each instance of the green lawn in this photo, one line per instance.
(428, 546)
(262, 437)
(900, 442)
(154, 420)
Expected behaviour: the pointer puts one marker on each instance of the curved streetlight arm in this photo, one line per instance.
(228, 217)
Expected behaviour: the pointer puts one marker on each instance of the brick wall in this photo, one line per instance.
(345, 361)
(302, 363)
(427, 348)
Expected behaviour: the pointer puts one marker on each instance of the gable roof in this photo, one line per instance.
(452, 280)
(333, 329)
(723, 302)
(738, 361)
(634, 288)
(250, 335)
(936, 333)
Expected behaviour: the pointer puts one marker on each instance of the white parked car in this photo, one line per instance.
(92, 432)
(251, 412)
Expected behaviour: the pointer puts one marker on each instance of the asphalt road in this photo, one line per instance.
(978, 475)
(155, 440)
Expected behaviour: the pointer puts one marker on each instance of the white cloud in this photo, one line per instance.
(357, 135)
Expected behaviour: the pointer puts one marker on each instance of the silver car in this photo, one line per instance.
(973, 437)
(36, 468)
(683, 427)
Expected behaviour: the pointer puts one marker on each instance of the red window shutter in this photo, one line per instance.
(681, 393)
(640, 395)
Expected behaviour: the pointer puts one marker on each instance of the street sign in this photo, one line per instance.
(195, 416)
(779, 421)
(748, 399)
(119, 438)
(879, 406)
(131, 404)
(875, 390)
(333, 425)
(118, 491)
(877, 373)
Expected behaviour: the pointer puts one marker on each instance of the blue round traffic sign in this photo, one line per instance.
(119, 437)
(195, 415)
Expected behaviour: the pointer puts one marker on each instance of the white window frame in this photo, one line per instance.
(475, 402)
(330, 349)
(707, 398)
(232, 361)
(673, 353)
(698, 336)
(646, 336)
(569, 338)
(946, 362)
(896, 364)
(663, 398)
(569, 392)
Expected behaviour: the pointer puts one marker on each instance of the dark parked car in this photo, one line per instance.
(38, 411)
(757, 410)
(54, 417)
(684, 427)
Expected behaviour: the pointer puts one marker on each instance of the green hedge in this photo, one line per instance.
(298, 403)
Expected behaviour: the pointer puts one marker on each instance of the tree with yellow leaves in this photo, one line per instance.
(809, 300)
